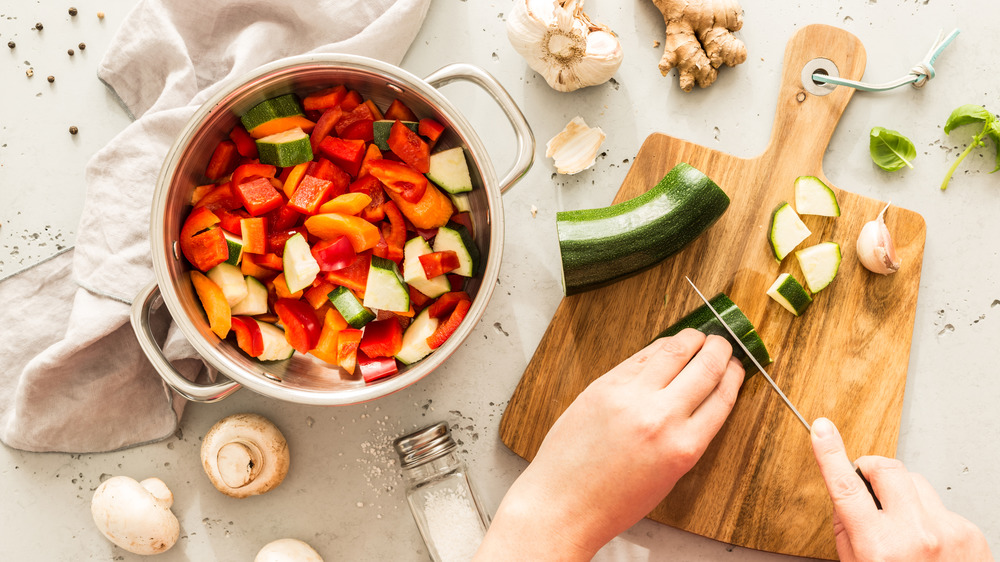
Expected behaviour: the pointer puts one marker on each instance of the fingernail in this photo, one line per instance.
(822, 428)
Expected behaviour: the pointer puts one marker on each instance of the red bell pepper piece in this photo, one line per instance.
(276, 239)
(447, 328)
(282, 218)
(351, 100)
(220, 197)
(430, 129)
(447, 303)
(399, 178)
(326, 170)
(230, 220)
(464, 219)
(410, 147)
(417, 298)
(382, 338)
(245, 145)
(324, 99)
(345, 153)
(370, 186)
(373, 369)
(249, 171)
(347, 349)
(335, 254)
(398, 111)
(201, 241)
(362, 130)
(302, 329)
(259, 196)
(360, 112)
(249, 337)
(457, 282)
(326, 123)
(354, 276)
(254, 231)
(396, 236)
(439, 263)
(223, 160)
(310, 194)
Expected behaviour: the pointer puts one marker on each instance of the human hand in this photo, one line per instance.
(913, 524)
(618, 449)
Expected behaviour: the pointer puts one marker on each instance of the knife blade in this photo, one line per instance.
(774, 385)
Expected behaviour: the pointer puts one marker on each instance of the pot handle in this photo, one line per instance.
(486, 81)
(192, 391)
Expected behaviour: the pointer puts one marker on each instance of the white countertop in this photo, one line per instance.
(343, 493)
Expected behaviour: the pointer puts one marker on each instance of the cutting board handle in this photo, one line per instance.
(804, 115)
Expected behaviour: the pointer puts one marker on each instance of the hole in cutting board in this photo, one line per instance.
(822, 66)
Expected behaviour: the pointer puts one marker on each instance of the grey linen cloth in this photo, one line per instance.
(74, 378)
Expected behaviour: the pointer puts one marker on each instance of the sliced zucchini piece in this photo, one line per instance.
(235, 244)
(386, 289)
(456, 237)
(229, 278)
(256, 300)
(415, 337)
(600, 246)
(819, 264)
(268, 110)
(300, 267)
(450, 171)
(285, 149)
(704, 321)
(381, 129)
(787, 231)
(787, 291)
(276, 347)
(813, 197)
(460, 201)
(413, 272)
(350, 307)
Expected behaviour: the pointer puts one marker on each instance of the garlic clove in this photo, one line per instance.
(562, 44)
(875, 248)
(575, 148)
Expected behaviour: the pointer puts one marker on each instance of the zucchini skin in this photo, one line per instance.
(601, 246)
(704, 321)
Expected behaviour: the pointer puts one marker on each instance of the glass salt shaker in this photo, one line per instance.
(451, 519)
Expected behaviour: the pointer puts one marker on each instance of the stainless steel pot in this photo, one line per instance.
(305, 379)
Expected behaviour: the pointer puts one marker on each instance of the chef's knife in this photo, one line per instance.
(770, 381)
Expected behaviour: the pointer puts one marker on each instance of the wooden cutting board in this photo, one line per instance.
(757, 485)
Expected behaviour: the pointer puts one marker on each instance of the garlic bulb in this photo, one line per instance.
(875, 249)
(561, 43)
(575, 148)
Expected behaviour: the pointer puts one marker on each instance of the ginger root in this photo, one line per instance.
(700, 39)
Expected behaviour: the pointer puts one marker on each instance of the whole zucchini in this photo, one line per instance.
(704, 321)
(601, 246)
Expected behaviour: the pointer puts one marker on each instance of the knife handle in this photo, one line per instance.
(868, 485)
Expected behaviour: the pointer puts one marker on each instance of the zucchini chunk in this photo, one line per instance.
(813, 197)
(787, 292)
(787, 231)
(819, 264)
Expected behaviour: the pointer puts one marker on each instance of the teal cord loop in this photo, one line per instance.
(918, 76)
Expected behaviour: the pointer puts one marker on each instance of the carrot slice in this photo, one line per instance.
(213, 300)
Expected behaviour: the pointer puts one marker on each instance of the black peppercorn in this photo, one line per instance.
(82, 46)
(11, 44)
(51, 79)
(70, 52)
(73, 130)
(72, 11)
(39, 26)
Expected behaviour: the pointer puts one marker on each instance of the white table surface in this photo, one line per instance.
(343, 493)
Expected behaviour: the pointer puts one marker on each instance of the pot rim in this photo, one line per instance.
(266, 384)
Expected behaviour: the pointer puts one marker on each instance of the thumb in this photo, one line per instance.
(851, 501)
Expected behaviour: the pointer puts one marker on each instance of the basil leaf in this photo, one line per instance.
(993, 131)
(966, 114)
(890, 150)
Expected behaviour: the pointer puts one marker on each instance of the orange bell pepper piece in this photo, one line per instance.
(347, 349)
(213, 300)
(293, 179)
(362, 234)
(432, 211)
(333, 324)
(281, 288)
(346, 204)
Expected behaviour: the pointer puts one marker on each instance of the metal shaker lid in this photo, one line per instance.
(424, 445)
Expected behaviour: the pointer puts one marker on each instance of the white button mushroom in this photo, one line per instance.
(136, 515)
(287, 550)
(244, 455)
